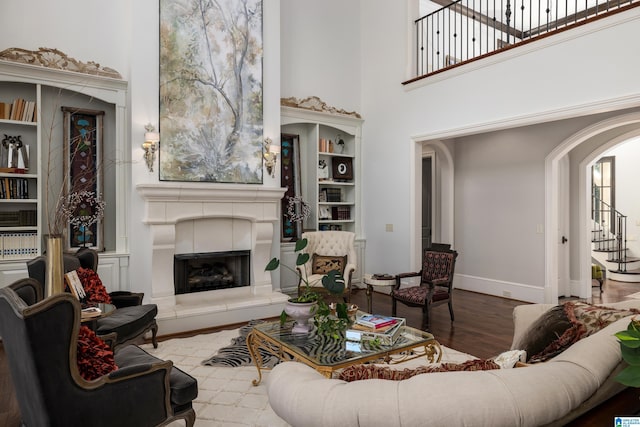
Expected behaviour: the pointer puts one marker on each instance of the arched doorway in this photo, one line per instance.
(442, 195)
(611, 131)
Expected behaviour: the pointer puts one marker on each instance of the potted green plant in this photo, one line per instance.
(310, 303)
(630, 348)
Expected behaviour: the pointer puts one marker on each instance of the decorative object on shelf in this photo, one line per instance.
(342, 168)
(326, 322)
(211, 66)
(58, 60)
(270, 156)
(83, 134)
(323, 170)
(150, 145)
(54, 283)
(324, 212)
(314, 103)
(339, 145)
(15, 153)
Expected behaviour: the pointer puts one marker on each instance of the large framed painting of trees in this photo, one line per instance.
(211, 90)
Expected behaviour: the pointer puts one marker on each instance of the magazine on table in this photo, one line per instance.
(376, 321)
(387, 337)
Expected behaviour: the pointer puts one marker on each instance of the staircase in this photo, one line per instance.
(609, 243)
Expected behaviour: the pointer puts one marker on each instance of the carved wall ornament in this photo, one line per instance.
(315, 104)
(55, 59)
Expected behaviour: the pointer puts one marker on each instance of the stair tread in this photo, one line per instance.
(633, 272)
(602, 240)
(629, 259)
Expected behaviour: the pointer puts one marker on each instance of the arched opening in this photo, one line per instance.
(593, 142)
(442, 193)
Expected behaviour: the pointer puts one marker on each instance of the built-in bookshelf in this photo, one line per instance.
(329, 148)
(19, 170)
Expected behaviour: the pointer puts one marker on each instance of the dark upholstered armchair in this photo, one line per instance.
(129, 322)
(40, 342)
(436, 283)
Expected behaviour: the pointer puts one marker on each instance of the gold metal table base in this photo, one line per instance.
(257, 339)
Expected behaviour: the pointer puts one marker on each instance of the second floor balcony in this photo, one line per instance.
(468, 30)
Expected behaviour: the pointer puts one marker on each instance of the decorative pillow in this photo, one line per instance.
(587, 319)
(322, 264)
(564, 325)
(93, 287)
(368, 372)
(94, 357)
(545, 330)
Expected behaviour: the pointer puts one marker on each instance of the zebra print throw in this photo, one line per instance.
(237, 354)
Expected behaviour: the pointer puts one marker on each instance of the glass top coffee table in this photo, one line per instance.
(327, 355)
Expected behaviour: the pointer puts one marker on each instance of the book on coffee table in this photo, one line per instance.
(376, 321)
(387, 337)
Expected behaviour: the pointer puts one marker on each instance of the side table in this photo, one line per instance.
(372, 280)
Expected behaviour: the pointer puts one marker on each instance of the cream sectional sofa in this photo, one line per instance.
(549, 393)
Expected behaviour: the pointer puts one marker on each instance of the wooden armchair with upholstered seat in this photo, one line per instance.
(132, 319)
(328, 250)
(436, 283)
(41, 342)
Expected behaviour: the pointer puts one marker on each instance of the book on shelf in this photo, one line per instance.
(387, 337)
(376, 321)
(340, 213)
(334, 194)
(19, 245)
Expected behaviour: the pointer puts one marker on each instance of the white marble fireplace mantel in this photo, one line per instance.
(207, 217)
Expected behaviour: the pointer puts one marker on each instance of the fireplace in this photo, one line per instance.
(198, 218)
(210, 271)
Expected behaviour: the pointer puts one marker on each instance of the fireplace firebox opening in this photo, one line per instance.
(211, 271)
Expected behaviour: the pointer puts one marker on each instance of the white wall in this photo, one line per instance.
(321, 51)
(86, 31)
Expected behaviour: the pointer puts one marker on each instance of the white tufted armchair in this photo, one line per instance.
(329, 243)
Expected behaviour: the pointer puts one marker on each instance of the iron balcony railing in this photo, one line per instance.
(469, 29)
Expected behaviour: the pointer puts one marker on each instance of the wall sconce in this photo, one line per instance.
(150, 145)
(270, 156)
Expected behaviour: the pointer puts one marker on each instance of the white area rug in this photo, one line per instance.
(226, 396)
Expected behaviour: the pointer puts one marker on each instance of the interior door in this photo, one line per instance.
(427, 190)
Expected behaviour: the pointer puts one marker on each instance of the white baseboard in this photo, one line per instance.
(499, 288)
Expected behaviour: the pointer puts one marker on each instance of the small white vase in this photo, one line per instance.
(301, 312)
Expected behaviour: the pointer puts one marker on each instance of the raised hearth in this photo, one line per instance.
(193, 218)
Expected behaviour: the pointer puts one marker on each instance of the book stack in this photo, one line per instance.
(340, 213)
(384, 329)
(334, 194)
(19, 245)
(14, 188)
(20, 110)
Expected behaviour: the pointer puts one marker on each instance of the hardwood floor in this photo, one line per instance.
(483, 324)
